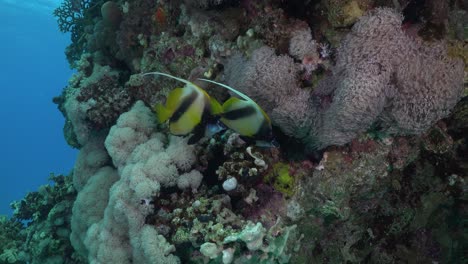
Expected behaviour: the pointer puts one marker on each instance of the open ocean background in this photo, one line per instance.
(33, 70)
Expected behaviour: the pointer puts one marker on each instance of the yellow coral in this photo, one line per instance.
(343, 13)
(459, 49)
(282, 180)
(352, 12)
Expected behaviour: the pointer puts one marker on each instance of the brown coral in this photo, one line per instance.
(107, 100)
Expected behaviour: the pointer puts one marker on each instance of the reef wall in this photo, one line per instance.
(367, 100)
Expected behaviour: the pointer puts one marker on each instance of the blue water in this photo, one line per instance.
(33, 69)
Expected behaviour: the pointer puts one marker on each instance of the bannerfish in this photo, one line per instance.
(187, 109)
(244, 116)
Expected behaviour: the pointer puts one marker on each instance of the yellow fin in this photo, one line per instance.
(162, 113)
(234, 103)
(215, 106)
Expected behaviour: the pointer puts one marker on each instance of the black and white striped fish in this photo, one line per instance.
(244, 115)
(186, 108)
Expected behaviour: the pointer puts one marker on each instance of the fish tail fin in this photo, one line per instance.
(245, 97)
(162, 113)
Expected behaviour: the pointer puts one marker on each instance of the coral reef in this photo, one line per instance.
(74, 16)
(108, 99)
(140, 191)
(388, 186)
(345, 13)
(134, 150)
(11, 239)
(39, 230)
(362, 202)
(265, 77)
(405, 84)
(381, 74)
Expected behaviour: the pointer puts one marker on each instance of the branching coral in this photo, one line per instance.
(69, 13)
(72, 16)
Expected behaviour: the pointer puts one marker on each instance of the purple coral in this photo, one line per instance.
(381, 74)
(266, 77)
(272, 81)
